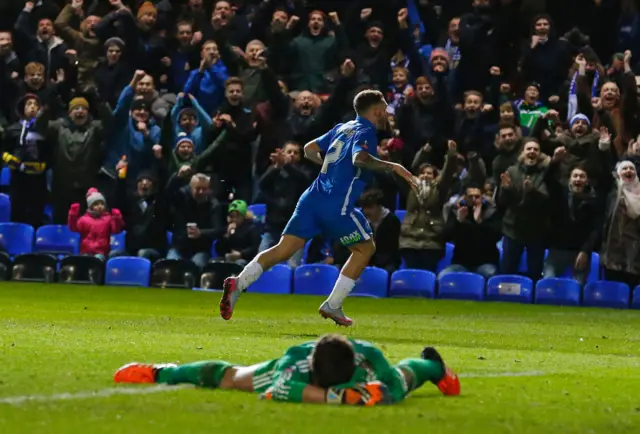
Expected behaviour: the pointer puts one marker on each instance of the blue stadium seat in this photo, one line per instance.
(635, 304)
(128, 271)
(5, 208)
(276, 280)
(513, 288)
(314, 279)
(401, 213)
(57, 239)
(259, 211)
(413, 283)
(448, 256)
(373, 282)
(558, 291)
(461, 286)
(305, 252)
(594, 272)
(16, 238)
(606, 294)
(5, 177)
(522, 268)
(117, 241)
(169, 237)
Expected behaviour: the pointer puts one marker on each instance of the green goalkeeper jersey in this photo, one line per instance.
(285, 378)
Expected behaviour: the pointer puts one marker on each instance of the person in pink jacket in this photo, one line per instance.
(96, 226)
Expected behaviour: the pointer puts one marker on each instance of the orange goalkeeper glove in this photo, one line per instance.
(367, 394)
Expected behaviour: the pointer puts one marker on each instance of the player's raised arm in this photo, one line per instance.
(364, 160)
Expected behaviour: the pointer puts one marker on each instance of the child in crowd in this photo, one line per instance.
(96, 226)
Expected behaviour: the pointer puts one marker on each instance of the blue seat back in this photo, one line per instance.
(594, 271)
(259, 211)
(16, 238)
(461, 286)
(314, 279)
(401, 214)
(558, 291)
(128, 271)
(603, 293)
(373, 282)
(5, 177)
(635, 304)
(413, 283)
(276, 280)
(57, 239)
(448, 256)
(5, 208)
(512, 288)
(117, 241)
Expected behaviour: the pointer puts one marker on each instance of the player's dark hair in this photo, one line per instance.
(332, 361)
(366, 99)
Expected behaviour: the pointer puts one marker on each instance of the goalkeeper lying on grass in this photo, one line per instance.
(332, 370)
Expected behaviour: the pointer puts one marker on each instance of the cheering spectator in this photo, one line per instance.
(194, 122)
(529, 107)
(84, 43)
(77, 147)
(508, 147)
(474, 227)
(145, 211)
(112, 74)
(9, 72)
(184, 58)
(42, 45)
(196, 217)
(96, 226)
(224, 17)
(134, 133)
(281, 186)
(28, 156)
(146, 90)
(240, 243)
(576, 224)
(524, 195)
(619, 256)
(207, 83)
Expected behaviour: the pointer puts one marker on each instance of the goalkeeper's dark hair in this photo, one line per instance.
(332, 361)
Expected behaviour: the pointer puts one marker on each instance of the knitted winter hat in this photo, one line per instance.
(114, 41)
(139, 104)
(93, 196)
(579, 117)
(78, 102)
(147, 8)
(239, 206)
(183, 137)
(375, 24)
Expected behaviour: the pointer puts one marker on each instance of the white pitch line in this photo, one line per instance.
(160, 388)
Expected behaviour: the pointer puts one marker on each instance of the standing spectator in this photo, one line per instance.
(197, 219)
(192, 121)
(207, 83)
(84, 42)
(96, 226)
(474, 227)
(620, 256)
(529, 107)
(235, 26)
(134, 133)
(27, 154)
(240, 243)
(9, 72)
(524, 195)
(146, 90)
(41, 46)
(281, 186)
(184, 58)
(35, 83)
(145, 211)
(386, 231)
(113, 73)
(235, 162)
(509, 147)
(576, 224)
(77, 147)
(421, 234)
(313, 54)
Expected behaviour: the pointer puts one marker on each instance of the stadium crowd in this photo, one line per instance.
(519, 117)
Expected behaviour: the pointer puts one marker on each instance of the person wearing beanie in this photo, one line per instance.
(79, 111)
(147, 15)
(194, 121)
(84, 42)
(96, 226)
(439, 60)
(113, 73)
(530, 108)
(241, 241)
(146, 213)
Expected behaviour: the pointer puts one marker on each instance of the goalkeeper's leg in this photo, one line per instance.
(208, 374)
(430, 368)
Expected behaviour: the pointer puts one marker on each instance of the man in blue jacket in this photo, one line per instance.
(207, 82)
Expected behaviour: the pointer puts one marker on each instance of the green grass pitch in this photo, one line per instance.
(525, 369)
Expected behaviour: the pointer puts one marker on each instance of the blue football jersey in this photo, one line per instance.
(339, 179)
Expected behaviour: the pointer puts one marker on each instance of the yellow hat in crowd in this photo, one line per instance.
(147, 8)
(78, 102)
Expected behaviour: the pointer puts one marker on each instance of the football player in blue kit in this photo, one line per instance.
(327, 207)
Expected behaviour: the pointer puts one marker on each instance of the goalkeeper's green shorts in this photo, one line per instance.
(263, 375)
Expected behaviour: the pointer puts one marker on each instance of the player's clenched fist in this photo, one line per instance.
(368, 394)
